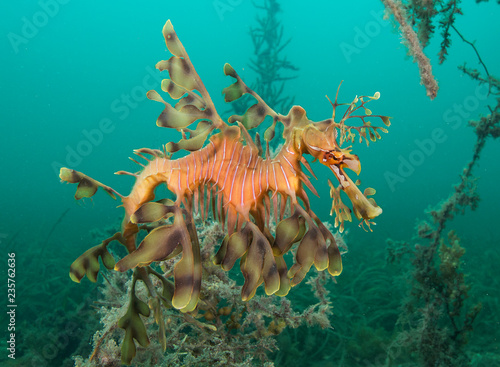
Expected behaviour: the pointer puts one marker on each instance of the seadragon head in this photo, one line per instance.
(320, 141)
(324, 141)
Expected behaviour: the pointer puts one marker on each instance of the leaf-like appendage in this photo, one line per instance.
(202, 128)
(181, 72)
(229, 70)
(233, 92)
(270, 133)
(233, 248)
(334, 260)
(196, 140)
(87, 186)
(288, 231)
(171, 40)
(173, 118)
(134, 327)
(342, 212)
(221, 253)
(149, 212)
(88, 262)
(254, 116)
(366, 131)
(312, 250)
(183, 115)
(85, 189)
(191, 99)
(165, 242)
(174, 91)
(156, 246)
(283, 273)
(259, 265)
(186, 86)
(386, 120)
(187, 272)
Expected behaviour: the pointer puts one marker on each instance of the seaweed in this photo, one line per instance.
(223, 331)
(272, 68)
(418, 20)
(437, 319)
(413, 43)
(269, 64)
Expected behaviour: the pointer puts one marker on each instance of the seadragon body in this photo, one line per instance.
(227, 171)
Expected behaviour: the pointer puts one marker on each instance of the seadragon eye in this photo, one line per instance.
(333, 157)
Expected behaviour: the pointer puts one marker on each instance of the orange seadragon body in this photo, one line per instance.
(243, 187)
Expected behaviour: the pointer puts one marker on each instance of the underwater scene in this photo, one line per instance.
(309, 183)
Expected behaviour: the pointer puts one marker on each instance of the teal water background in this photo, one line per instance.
(67, 70)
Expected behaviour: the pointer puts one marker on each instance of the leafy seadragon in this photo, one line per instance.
(228, 172)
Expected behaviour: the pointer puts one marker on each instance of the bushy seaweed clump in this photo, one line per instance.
(427, 17)
(436, 320)
(271, 66)
(223, 331)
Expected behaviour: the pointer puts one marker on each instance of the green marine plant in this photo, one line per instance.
(231, 174)
(417, 24)
(415, 48)
(436, 321)
(271, 67)
(268, 63)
